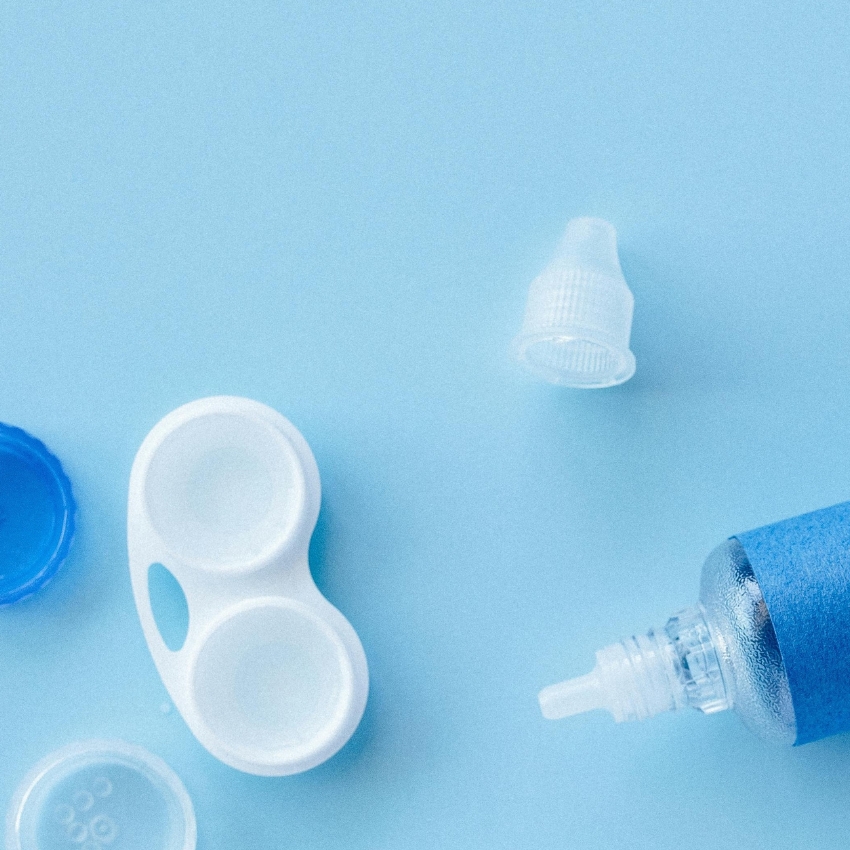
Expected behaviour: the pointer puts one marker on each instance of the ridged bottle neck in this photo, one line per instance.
(641, 676)
(664, 670)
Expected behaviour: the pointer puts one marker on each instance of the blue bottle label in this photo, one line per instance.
(803, 568)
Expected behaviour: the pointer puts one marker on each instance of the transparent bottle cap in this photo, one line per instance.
(101, 795)
(36, 514)
(578, 317)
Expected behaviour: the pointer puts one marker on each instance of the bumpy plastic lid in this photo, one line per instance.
(36, 514)
(578, 317)
(101, 795)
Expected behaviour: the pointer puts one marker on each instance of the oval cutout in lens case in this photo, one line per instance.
(224, 494)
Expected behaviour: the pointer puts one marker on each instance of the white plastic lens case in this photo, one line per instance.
(271, 678)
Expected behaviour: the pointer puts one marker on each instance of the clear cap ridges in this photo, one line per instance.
(578, 316)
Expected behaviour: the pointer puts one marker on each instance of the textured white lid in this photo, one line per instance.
(578, 317)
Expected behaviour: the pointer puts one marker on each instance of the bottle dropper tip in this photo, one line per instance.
(573, 696)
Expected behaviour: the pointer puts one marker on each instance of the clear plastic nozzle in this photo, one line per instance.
(572, 696)
(646, 675)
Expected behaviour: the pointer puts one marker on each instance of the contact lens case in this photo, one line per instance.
(269, 676)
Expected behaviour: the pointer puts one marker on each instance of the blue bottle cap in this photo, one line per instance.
(36, 514)
(101, 795)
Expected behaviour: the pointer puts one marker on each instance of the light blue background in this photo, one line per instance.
(336, 209)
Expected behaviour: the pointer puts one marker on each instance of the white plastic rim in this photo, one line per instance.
(575, 361)
(273, 683)
(271, 678)
(223, 491)
(73, 798)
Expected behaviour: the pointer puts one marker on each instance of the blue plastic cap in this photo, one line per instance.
(36, 514)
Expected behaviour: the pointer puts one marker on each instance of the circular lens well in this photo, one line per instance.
(224, 491)
(273, 683)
